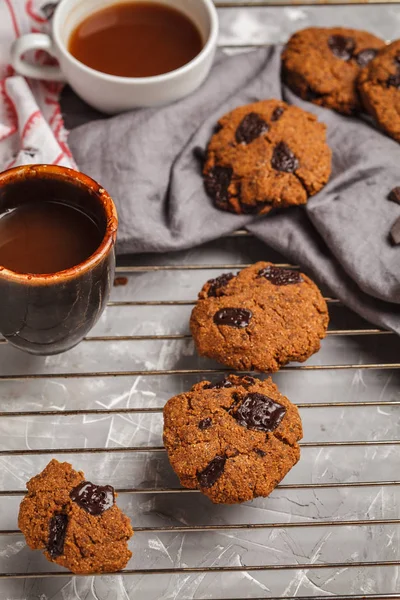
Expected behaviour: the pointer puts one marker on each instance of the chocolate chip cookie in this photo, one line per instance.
(322, 65)
(379, 86)
(75, 522)
(234, 440)
(266, 155)
(260, 319)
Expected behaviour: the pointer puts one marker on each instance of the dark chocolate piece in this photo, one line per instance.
(218, 283)
(212, 472)
(259, 412)
(278, 112)
(57, 532)
(95, 499)
(233, 317)
(224, 383)
(252, 209)
(260, 452)
(205, 423)
(283, 159)
(279, 276)
(250, 128)
(341, 46)
(394, 80)
(217, 182)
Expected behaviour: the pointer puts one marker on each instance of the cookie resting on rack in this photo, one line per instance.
(75, 522)
(234, 440)
(379, 87)
(260, 319)
(321, 65)
(266, 155)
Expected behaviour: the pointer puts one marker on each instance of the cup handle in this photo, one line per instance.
(34, 41)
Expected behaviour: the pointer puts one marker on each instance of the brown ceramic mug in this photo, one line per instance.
(49, 314)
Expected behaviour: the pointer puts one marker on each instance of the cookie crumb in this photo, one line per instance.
(118, 281)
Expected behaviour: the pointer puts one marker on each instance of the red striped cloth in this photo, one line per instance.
(31, 125)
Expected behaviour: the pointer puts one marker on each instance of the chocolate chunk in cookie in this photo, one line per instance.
(76, 522)
(217, 181)
(341, 46)
(259, 412)
(217, 285)
(322, 65)
(218, 385)
(57, 530)
(283, 159)
(266, 317)
(213, 471)
(266, 155)
(205, 423)
(277, 113)
(394, 80)
(248, 450)
(95, 499)
(250, 128)
(379, 87)
(280, 276)
(233, 317)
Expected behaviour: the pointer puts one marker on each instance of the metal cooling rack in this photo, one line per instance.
(332, 527)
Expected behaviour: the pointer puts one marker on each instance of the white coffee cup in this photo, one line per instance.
(111, 93)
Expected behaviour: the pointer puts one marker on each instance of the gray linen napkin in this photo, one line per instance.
(145, 160)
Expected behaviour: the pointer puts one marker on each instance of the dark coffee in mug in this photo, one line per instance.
(136, 39)
(57, 258)
(45, 237)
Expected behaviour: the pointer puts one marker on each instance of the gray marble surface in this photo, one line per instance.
(345, 418)
(275, 24)
(358, 404)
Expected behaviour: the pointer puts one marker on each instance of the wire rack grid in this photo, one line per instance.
(331, 528)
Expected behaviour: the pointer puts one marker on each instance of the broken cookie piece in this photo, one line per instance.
(249, 442)
(75, 522)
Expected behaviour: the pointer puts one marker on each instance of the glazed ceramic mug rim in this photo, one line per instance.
(62, 9)
(45, 171)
